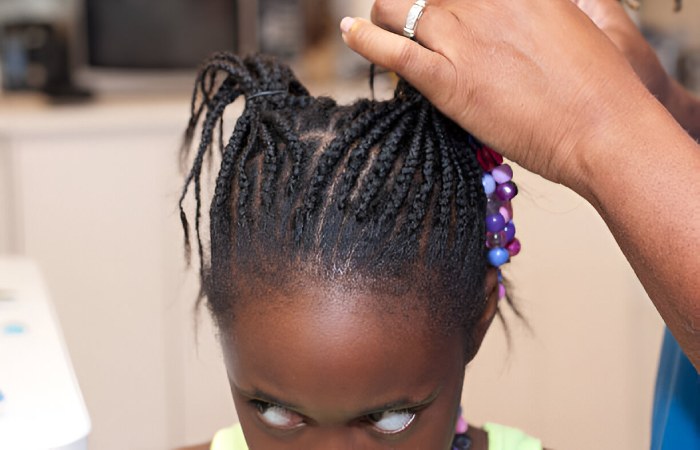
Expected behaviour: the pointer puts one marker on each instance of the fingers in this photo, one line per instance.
(421, 67)
(432, 28)
(391, 14)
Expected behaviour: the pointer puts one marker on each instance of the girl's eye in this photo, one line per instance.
(392, 422)
(278, 417)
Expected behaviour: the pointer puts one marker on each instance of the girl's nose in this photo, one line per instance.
(340, 437)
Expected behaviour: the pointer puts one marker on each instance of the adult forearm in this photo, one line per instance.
(642, 174)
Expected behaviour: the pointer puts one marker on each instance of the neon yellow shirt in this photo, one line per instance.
(500, 438)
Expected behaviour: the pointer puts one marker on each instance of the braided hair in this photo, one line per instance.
(386, 193)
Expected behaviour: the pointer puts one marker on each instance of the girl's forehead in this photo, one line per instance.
(345, 349)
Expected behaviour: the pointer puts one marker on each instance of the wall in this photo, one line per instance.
(7, 237)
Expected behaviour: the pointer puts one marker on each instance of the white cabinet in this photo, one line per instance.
(89, 192)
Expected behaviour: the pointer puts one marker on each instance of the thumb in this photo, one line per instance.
(427, 71)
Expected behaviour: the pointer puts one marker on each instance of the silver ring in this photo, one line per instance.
(414, 14)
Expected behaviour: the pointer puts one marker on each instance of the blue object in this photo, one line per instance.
(13, 328)
(498, 256)
(489, 184)
(676, 415)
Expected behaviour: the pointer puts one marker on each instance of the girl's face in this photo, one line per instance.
(314, 367)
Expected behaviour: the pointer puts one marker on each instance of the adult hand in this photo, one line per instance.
(539, 82)
(519, 75)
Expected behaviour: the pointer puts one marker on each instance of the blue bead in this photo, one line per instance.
(489, 184)
(498, 256)
(495, 223)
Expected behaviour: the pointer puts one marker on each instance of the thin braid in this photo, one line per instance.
(421, 201)
(283, 127)
(386, 117)
(271, 167)
(328, 162)
(474, 173)
(209, 125)
(219, 217)
(243, 182)
(222, 99)
(462, 201)
(413, 160)
(196, 110)
(381, 168)
(470, 198)
(447, 158)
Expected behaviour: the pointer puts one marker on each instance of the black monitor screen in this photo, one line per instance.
(157, 34)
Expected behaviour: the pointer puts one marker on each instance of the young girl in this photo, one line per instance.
(345, 266)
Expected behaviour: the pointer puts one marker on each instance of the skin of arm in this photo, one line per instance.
(611, 18)
(539, 82)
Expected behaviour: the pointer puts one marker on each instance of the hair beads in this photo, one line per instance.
(461, 440)
(500, 229)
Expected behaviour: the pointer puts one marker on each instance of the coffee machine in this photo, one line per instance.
(35, 57)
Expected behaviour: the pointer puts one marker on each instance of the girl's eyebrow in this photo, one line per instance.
(404, 403)
(399, 404)
(257, 394)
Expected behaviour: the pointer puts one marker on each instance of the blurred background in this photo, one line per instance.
(95, 98)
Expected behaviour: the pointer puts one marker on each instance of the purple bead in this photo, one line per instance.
(507, 191)
(501, 291)
(502, 174)
(498, 256)
(509, 230)
(461, 426)
(514, 247)
(506, 210)
(494, 240)
(495, 223)
(489, 184)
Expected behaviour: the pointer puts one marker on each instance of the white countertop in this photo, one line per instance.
(41, 406)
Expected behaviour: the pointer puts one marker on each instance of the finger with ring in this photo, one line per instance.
(414, 15)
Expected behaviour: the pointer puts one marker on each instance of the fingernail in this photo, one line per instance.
(346, 24)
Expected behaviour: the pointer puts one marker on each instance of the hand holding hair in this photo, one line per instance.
(540, 83)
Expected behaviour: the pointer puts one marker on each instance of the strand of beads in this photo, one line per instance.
(500, 190)
(461, 440)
